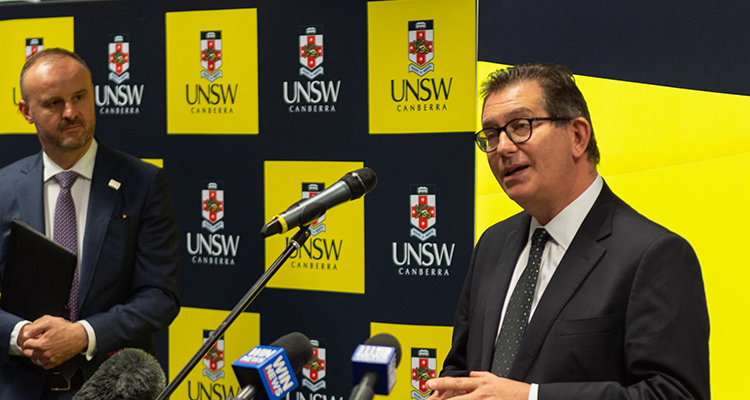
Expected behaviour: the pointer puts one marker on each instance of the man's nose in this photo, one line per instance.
(69, 112)
(505, 145)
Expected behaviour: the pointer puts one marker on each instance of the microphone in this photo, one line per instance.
(130, 374)
(351, 186)
(269, 372)
(374, 366)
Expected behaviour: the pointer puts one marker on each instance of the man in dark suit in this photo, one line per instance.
(123, 229)
(578, 296)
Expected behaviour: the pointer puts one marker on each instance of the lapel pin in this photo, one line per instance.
(114, 184)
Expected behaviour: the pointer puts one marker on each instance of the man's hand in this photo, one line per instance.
(481, 385)
(50, 341)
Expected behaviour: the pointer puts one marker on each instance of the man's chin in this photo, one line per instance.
(73, 144)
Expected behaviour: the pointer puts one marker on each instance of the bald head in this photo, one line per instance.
(48, 56)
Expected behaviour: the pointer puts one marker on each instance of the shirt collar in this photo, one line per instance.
(564, 226)
(84, 167)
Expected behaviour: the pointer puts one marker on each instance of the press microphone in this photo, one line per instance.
(130, 374)
(269, 372)
(351, 186)
(374, 366)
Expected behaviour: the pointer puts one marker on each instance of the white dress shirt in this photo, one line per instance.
(562, 229)
(80, 192)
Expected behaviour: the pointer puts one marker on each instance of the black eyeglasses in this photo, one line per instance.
(518, 131)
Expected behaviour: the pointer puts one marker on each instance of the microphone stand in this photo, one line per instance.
(295, 244)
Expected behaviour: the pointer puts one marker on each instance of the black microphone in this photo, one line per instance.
(351, 186)
(130, 374)
(264, 371)
(374, 366)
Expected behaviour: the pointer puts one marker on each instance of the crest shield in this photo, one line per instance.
(211, 55)
(33, 46)
(214, 359)
(311, 51)
(212, 204)
(421, 47)
(423, 211)
(309, 190)
(315, 370)
(119, 59)
(423, 368)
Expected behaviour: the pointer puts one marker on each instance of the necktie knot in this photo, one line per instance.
(540, 237)
(66, 178)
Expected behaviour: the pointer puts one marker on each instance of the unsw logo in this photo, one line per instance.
(214, 248)
(213, 364)
(214, 98)
(119, 99)
(423, 217)
(313, 95)
(423, 368)
(421, 94)
(314, 371)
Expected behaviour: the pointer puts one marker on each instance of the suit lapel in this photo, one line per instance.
(498, 287)
(581, 257)
(31, 198)
(102, 200)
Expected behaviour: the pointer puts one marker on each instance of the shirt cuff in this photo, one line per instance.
(91, 350)
(13, 349)
(534, 391)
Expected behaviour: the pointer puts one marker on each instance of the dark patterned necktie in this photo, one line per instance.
(519, 306)
(66, 234)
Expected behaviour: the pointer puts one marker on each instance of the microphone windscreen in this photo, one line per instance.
(298, 348)
(387, 340)
(130, 374)
(360, 181)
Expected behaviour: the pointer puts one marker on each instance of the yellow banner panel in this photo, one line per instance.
(423, 350)
(333, 258)
(421, 65)
(213, 377)
(707, 203)
(212, 72)
(24, 37)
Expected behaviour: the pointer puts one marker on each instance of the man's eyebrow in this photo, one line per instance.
(516, 113)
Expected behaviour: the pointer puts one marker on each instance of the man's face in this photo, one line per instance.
(60, 103)
(536, 173)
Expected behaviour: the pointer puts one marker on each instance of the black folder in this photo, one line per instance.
(37, 276)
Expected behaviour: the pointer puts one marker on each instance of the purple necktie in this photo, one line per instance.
(66, 234)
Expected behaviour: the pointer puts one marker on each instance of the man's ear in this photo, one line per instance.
(580, 134)
(25, 110)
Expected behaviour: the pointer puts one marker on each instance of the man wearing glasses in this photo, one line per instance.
(578, 296)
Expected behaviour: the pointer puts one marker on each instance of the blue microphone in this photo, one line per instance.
(374, 366)
(269, 372)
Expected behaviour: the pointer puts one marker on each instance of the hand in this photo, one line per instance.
(50, 341)
(21, 335)
(481, 385)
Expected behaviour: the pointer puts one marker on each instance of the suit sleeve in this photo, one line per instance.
(153, 290)
(666, 332)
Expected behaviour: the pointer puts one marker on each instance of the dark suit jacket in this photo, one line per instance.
(128, 285)
(624, 315)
